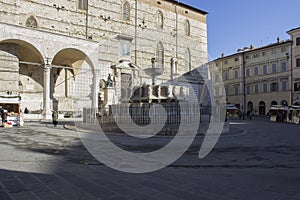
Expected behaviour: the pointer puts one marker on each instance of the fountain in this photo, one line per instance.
(158, 93)
(153, 71)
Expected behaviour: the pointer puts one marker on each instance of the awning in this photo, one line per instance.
(10, 99)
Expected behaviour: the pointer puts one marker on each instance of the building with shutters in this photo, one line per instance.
(257, 78)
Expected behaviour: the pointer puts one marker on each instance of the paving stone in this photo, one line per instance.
(63, 188)
(4, 195)
(257, 165)
(85, 185)
(268, 195)
(288, 187)
(48, 195)
(30, 182)
(13, 185)
(26, 195)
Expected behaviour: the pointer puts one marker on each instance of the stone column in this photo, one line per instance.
(46, 94)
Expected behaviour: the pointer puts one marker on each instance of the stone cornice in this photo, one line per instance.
(179, 8)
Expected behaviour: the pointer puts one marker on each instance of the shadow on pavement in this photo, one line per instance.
(39, 161)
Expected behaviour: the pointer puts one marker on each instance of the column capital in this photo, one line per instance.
(174, 60)
(47, 67)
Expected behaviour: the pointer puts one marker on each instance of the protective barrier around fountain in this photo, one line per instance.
(139, 113)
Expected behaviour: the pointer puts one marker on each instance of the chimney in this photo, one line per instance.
(278, 40)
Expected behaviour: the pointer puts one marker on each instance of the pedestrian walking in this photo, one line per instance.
(248, 114)
(240, 114)
(251, 115)
(54, 118)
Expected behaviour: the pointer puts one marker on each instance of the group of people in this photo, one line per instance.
(249, 114)
(54, 116)
(284, 116)
(4, 116)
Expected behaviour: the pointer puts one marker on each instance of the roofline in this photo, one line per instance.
(293, 29)
(256, 49)
(187, 6)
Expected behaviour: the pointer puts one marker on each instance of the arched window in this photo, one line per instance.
(126, 11)
(187, 28)
(160, 55)
(31, 22)
(82, 4)
(187, 59)
(160, 20)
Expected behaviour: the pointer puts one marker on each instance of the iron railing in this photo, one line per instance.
(145, 113)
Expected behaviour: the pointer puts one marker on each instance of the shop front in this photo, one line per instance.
(12, 105)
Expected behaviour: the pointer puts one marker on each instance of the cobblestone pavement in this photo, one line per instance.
(259, 160)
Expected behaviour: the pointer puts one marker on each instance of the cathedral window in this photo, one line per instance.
(187, 60)
(82, 4)
(160, 20)
(187, 28)
(126, 11)
(160, 55)
(31, 22)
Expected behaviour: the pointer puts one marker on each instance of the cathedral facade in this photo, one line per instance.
(59, 54)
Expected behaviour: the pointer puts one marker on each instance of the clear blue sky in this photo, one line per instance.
(234, 24)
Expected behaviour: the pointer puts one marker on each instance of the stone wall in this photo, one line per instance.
(9, 69)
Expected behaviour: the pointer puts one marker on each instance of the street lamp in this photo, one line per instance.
(244, 85)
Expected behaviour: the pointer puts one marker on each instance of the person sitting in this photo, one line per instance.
(26, 111)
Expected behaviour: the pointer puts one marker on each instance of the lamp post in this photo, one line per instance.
(291, 66)
(244, 85)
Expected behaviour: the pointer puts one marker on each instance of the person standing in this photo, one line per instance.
(251, 115)
(240, 114)
(248, 114)
(4, 115)
(54, 118)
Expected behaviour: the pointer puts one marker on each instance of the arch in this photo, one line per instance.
(30, 58)
(160, 20)
(31, 22)
(30, 80)
(71, 78)
(187, 27)
(160, 55)
(262, 108)
(126, 11)
(24, 50)
(187, 59)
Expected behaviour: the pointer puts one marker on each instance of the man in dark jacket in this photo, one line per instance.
(4, 116)
(54, 117)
